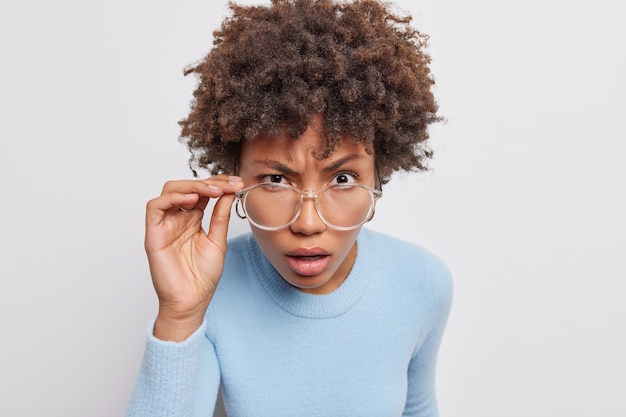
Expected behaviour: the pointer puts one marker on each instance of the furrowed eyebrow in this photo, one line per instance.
(278, 166)
(341, 161)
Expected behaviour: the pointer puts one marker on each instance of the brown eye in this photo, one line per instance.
(276, 178)
(342, 179)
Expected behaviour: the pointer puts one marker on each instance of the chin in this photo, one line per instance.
(306, 284)
(312, 285)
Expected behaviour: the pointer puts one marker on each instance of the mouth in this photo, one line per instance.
(308, 262)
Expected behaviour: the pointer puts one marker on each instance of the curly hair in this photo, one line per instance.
(271, 68)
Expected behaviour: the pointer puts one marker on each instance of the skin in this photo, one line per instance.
(293, 162)
(186, 262)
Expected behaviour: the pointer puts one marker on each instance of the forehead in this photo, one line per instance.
(304, 147)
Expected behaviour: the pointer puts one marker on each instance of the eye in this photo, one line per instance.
(274, 179)
(344, 178)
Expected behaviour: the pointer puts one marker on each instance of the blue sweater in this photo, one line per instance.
(367, 349)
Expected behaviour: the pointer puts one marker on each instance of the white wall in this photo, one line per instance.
(526, 200)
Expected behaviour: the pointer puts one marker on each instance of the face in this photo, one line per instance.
(308, 254)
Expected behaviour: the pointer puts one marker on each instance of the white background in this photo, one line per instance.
(525, 202)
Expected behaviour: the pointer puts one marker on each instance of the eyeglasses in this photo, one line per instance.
(272, 207)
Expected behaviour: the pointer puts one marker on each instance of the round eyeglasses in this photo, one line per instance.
(270, 206)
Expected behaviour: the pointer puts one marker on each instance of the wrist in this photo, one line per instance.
(176, 328)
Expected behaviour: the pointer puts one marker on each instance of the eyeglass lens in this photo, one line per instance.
(340, 205)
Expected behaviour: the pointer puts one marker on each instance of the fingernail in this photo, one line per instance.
(232, 179)
(214, 188)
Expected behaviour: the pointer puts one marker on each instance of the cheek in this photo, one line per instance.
(348, 240)
(269, 242)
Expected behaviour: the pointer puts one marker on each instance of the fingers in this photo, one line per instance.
(192, 194)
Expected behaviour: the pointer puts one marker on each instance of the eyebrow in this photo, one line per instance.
(342, 161)
(280, 167)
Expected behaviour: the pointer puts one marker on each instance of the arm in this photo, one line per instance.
(421, 393)
(176, 378)
(179, 372)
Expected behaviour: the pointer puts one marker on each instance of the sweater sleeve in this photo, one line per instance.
(421, 396)
(176, 379)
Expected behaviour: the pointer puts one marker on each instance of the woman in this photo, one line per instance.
(303, 111)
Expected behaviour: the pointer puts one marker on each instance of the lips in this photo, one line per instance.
(308, 262)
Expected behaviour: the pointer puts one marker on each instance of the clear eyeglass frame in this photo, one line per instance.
(304, 194)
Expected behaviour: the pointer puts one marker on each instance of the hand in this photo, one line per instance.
(186, 263)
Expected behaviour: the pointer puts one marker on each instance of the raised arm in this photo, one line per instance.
(186, 264)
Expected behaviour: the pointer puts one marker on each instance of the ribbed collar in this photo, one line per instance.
(316, 306)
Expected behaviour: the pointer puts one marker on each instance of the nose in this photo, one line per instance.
(308, 221)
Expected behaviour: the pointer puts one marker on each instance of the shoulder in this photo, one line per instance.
(409, 266)
(400, 253)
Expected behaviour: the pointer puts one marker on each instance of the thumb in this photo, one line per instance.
(218, 226)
